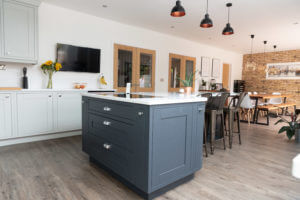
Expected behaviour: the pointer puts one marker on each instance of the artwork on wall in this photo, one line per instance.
(216, 66)
(205, 66)
(283, 70)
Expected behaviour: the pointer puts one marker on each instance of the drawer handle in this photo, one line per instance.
(140, 113)
(7, 97)
(106, 123)
(107, 109)
(107, 146)
(60, 95)
(200, 109)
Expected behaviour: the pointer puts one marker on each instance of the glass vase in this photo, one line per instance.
(49, 85)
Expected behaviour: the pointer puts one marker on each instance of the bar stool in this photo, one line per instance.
(234, 111)
(208, 96)
(214, 109)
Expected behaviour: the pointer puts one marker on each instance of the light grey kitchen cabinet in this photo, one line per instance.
(68, 111)
(5, 116)
(35, 113)
(19, 30)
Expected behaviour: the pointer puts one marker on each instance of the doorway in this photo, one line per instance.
(226, 76)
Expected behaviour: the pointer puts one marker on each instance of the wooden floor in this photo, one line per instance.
(259, 169)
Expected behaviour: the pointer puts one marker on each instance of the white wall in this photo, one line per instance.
(59, 25)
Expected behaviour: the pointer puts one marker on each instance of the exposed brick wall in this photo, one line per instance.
(256, 79)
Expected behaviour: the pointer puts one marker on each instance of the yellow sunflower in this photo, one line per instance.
(49, 62)
(58, 66)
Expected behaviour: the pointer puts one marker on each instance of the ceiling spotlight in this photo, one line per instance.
(178, 10)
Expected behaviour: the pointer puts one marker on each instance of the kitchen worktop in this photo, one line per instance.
(56, 90)
(148, 98)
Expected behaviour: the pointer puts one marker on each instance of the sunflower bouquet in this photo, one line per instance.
(49, 67)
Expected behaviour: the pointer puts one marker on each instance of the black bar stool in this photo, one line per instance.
(214, 109)
(232, 112)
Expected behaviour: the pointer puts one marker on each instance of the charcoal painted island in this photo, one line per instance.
(150, 143)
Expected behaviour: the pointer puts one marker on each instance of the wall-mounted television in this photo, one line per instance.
(78, 59)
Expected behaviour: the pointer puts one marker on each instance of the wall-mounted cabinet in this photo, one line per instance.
(19, 31)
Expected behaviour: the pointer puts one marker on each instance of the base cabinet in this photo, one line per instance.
(5, 116)
(156, 145)
(25, 114)
(68, 111)
(35, 113)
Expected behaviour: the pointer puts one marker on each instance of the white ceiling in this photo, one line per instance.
(271, 20)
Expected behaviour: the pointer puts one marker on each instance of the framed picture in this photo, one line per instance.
(283, 70)
(205, 66)
(216, 66)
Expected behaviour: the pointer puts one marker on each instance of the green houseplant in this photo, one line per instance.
(292, 128)
(188, 82)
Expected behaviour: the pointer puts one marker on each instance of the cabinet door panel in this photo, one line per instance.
(35, 113)
(19, 30)
(171, 144)
(5, 116)
(69, 111)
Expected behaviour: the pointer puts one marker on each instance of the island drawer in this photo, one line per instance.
(120, 132)
(124, 110)
(109, 154)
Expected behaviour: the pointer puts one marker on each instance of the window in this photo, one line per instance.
(135, 66)
(180, 67)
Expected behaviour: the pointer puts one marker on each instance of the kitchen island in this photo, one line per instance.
(150, 143)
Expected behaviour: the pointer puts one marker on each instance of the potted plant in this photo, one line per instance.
(188, 82)
(293, 128)
(48, 68)
(203, 84)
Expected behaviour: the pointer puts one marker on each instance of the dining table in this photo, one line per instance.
(265, 98)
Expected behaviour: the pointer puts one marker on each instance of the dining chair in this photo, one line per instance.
(247, 108)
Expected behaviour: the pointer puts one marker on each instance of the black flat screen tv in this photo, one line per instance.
(78, 59)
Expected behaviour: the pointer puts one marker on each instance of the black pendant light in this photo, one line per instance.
(206, 22)
(252, 38)
(251, 64)
(178, 10)
(265, 44)
(228, 30)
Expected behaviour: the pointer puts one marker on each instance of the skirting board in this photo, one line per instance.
(39, 138)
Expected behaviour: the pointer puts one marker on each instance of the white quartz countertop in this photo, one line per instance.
(55, 90)
(155, 99)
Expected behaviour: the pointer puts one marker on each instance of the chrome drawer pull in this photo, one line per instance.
(140, 113)
(106, 123)
(107, 146)
(107, 109)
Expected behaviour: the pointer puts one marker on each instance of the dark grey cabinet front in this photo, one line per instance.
(171, 150)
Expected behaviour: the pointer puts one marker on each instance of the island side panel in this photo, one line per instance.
(197, 141)
(172, 152)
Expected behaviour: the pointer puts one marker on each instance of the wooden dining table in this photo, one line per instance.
(265, 97)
